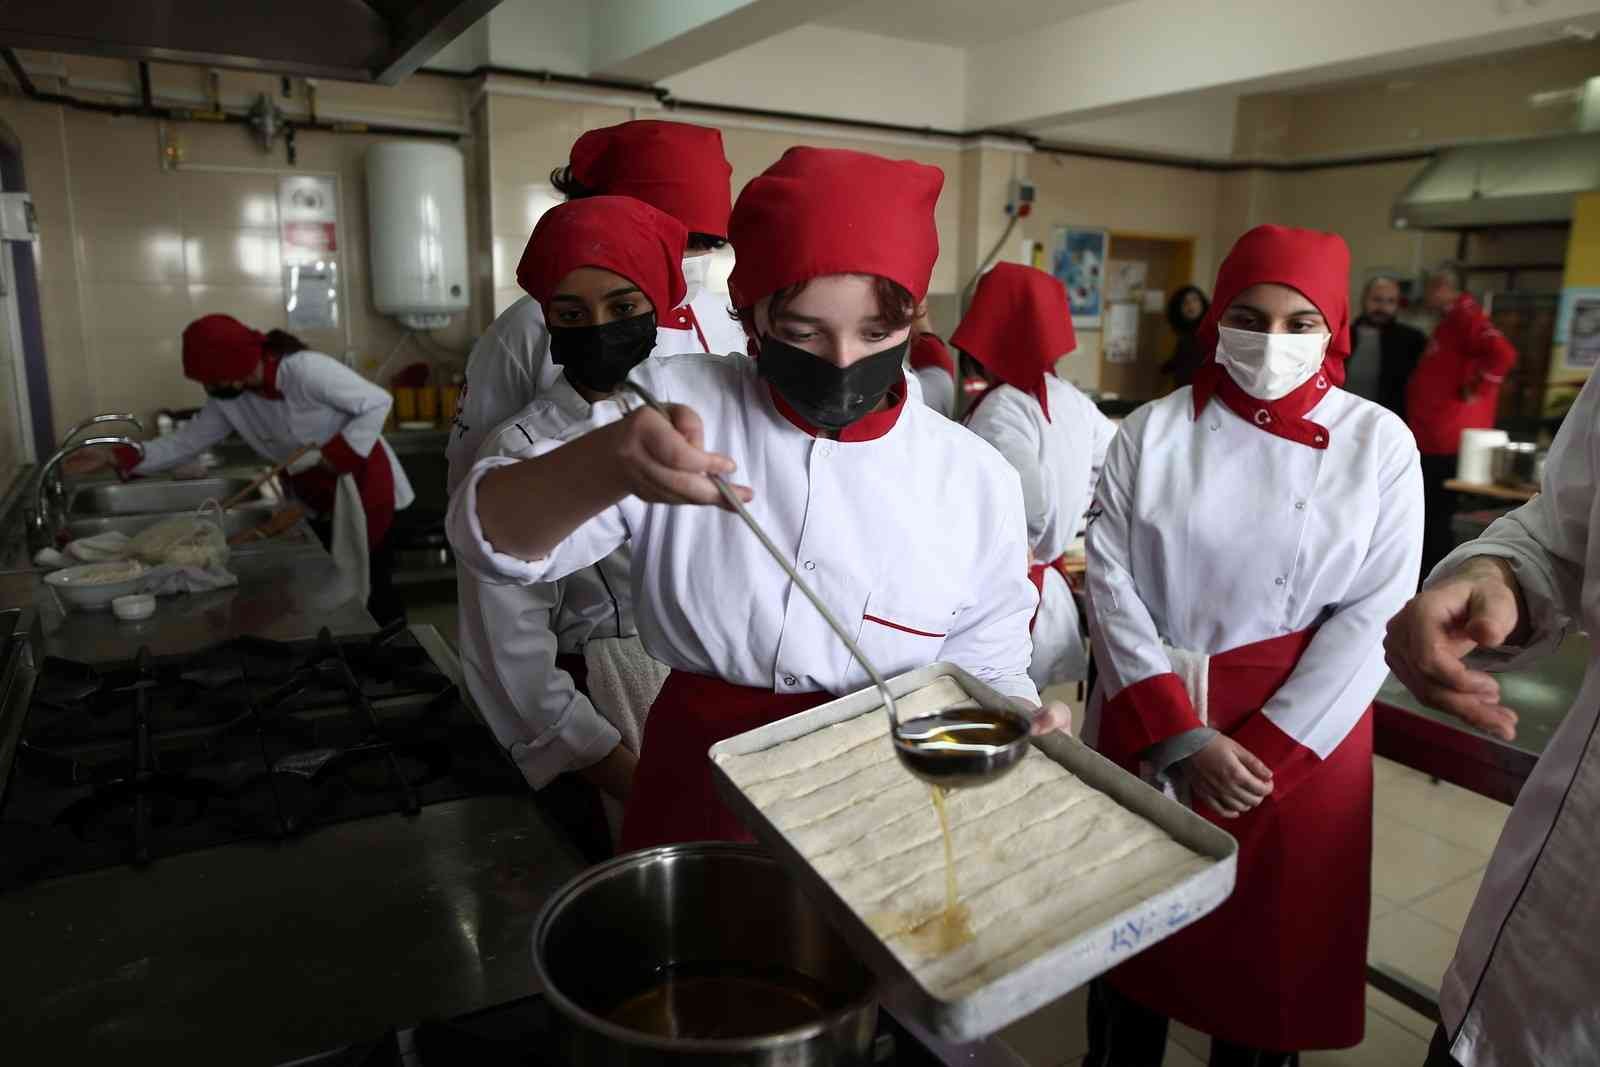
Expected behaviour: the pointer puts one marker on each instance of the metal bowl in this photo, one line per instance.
(613, 931)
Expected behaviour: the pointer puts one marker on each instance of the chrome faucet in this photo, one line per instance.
(96, 420)
(41, 521)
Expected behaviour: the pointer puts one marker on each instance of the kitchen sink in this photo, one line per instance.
(237, 521)
(154, 497)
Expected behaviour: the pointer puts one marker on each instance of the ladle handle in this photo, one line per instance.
(777, 554)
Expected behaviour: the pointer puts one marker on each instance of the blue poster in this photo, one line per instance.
(1079, 261)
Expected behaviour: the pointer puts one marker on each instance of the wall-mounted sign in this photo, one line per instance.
(308, 233)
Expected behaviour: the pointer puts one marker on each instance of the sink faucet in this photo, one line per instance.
(40, 520)
(96, 420)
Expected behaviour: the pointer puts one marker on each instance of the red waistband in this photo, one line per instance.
(1243, 679)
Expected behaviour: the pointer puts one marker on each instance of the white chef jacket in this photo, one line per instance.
(1209, 533)
(510, 635)
(510, 366)
(1522, 989)
(938, 390)
(1058, 460)
(321, 399)
(916, 539)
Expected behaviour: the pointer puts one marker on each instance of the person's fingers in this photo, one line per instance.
(688, 423)
(1254, 765)
(1249, 785)
(1242, 799)
(1050, 718)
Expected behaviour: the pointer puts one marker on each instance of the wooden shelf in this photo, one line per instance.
(1497, 492)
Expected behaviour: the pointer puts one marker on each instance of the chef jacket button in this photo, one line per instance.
(1279, 581)
(1215, 426)
(810, 566)
(1317, 439)
(788, 679)
(1299, 505)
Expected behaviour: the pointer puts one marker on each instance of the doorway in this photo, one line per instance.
(1167, 264)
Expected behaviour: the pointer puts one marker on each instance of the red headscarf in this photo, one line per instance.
(1019, 324)
(617, 233)
(1314, 264)
(220, 348)
(820, 211)
(672, 166)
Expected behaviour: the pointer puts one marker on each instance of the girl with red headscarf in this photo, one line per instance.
(1251, 537)
(278, 396)
(852, 482)
(1018, 326)
(599, 269)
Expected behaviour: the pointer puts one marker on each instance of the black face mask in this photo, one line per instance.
(599, 357)
(826, 395)
(224, 392)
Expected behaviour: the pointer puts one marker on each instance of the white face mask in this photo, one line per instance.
(696, 269)
(1270, 365)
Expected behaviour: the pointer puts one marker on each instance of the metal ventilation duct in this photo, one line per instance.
(356, 40)
(1508, 183)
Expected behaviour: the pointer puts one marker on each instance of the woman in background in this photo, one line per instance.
(280, 396)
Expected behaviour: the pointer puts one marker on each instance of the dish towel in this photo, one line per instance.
(623, 682)
(350, 540)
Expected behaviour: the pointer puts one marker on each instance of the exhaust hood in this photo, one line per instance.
(1506, 183)
(357, 40)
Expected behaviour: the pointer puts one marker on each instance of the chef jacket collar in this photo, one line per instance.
(869, 427)
(1284, 417)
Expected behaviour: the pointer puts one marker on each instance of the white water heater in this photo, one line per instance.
(417, 232)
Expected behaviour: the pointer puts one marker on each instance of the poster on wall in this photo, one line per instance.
(1079, 260)
(1125, 280)
(1578, 329)
(1121, 344)
(308, 235)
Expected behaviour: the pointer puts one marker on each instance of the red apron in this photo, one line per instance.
(673, 798)
(374, 481)
(1281, 965)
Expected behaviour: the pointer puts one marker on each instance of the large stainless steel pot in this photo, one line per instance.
(708, 908)
(1519, 463)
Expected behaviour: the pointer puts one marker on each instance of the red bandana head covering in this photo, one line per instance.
(819, 211)
(928, 351)
(220, 348)
(672, 166)
(1019, 324)
(625, 236)
(1314, 264)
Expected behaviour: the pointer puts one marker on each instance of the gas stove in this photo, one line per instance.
(250, 739)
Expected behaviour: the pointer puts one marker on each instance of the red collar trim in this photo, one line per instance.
(868, 427)
(269, 378)
(1284, 417)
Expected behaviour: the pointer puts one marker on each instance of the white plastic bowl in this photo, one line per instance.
(84, 588)
(134, 607)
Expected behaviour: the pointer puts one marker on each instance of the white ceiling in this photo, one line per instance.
(958, 22)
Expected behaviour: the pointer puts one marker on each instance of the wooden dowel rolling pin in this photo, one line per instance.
(242, 495)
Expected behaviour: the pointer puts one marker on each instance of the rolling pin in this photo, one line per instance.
(262, 479)
(277, 524)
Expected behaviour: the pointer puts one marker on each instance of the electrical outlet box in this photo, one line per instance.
(17, 222)
(1019, 198)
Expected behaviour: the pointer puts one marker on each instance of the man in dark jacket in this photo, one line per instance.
(1384, 351)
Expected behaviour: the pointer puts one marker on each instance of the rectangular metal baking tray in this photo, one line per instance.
(1047, 977)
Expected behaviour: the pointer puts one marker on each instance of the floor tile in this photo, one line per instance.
(1410, 944)
(1446, 811)
(1409, 863)
(1399, 1014)
(1386, 772)
(1178, 1056)
(1191, 1041)
(1387, 1044)
(1449, 906)
(1382, 905)
(1053, 1035)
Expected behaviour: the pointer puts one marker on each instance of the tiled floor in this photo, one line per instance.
(1431, 842)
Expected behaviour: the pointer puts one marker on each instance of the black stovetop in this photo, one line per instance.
(249, 739)
(521, 1034)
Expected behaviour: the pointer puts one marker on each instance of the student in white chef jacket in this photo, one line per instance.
(674, 167)
(1251, 536)
(850, 479)
(562, 678)
(1018, 326)
(1522, 990)
(280, 396)
(934, 371)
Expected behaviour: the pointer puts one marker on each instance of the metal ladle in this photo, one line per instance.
(962, 763)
